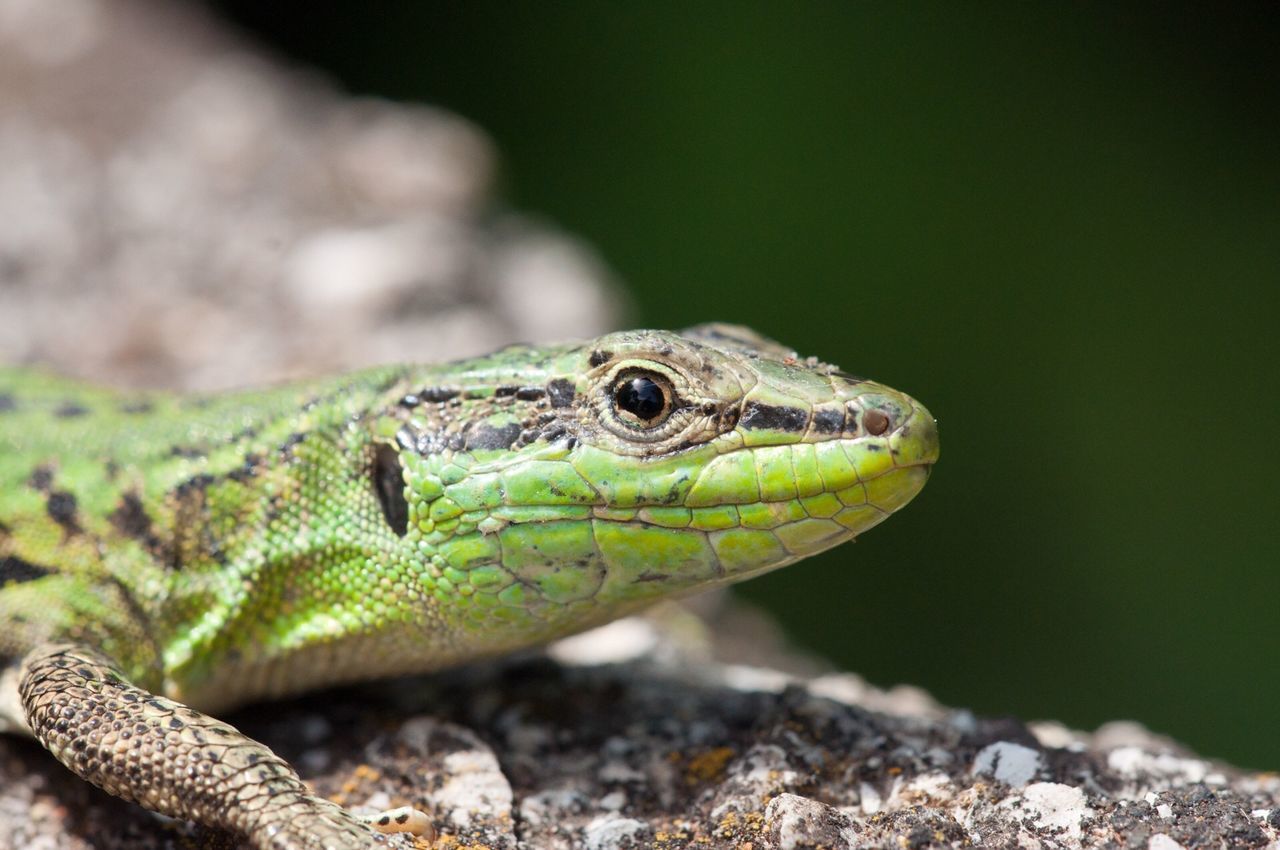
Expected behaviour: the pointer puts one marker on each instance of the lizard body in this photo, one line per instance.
(164, 557)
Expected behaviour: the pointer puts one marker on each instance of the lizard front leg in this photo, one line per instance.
(173, 759)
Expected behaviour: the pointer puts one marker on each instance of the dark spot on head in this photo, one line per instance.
(437, 395)
(286, 448)
(61, 506)
(828, 421)
(41, 479)
(599, 358)
(486, 436)
(561, 392)
(388, 483)
(505, 390)
(246, 470)
(15, 571)
(130, 519)
(195, 485)
(530, 393)
(188, 452)
(137, 406)
(406, 439)
(552, 433)
(876, 422)
(7, 402)
(756, 415)
(70, 409)
(403, 817)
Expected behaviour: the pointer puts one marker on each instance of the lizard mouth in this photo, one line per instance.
(824, 493)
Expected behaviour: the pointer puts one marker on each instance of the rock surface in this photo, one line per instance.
(631, 737)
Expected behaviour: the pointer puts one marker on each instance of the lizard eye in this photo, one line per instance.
(643, 399)
(388, 483)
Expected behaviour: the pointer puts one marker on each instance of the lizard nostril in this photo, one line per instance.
(876, 422)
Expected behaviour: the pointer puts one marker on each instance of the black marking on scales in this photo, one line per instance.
(130, 518)
(561, 392)
(14, 570)
(70, 410)
(41, 478)
(486, 436)
(61, 507)
(828, 421)
(436, 395)
(789, 419)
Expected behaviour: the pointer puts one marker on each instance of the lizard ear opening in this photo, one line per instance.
(388, 483)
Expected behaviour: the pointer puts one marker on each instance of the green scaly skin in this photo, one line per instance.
(219, 550)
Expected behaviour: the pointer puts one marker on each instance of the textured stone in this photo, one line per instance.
(674, 750)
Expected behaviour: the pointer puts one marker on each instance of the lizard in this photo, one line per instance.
(165, 558)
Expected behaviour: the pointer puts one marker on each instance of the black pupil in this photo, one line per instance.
(641, 397)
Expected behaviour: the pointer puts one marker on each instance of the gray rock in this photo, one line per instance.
(673, 750)
(1007, 762)
(179, 211)
(610, 832)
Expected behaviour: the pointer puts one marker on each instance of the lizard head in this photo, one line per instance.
(546, 489)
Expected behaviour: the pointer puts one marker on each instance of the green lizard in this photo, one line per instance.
(163, 557)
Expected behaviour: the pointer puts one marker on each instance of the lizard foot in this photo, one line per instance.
(324, 826)
(177, 761)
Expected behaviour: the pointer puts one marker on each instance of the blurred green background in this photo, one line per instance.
(1057, 226)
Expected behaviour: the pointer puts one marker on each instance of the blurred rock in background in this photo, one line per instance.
(179, 211)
